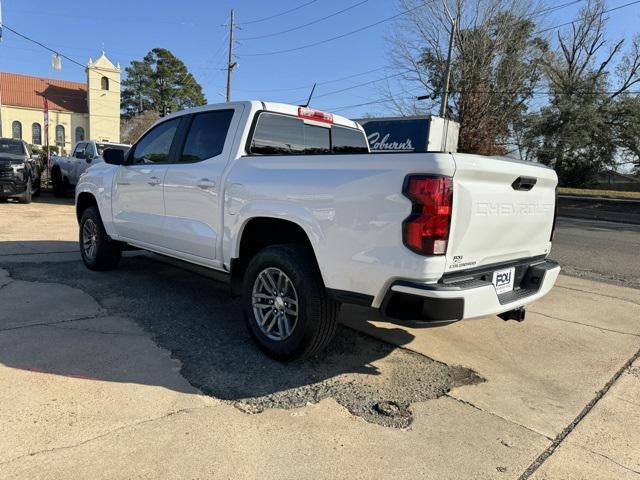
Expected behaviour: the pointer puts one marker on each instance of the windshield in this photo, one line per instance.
(103, 146)
(11, 147)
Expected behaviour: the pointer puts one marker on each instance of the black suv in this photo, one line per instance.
(19, 171)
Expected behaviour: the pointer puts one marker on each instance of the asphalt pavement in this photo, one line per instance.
(602, 251)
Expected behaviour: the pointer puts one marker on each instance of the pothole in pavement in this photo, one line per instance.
(202, 326)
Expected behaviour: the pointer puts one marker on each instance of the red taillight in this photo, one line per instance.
(316, 115)
(426, 231)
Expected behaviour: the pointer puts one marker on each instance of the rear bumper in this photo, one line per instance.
(467, 298)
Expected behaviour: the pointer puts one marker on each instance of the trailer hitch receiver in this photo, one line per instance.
(515, 314)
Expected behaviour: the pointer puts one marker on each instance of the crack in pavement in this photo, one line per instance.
(37, 253)
(537, 463)
(51, 324)
(600, 294)
(101, 332)
(106, 434)
(587, 449)
(584, 324)
(472, 405)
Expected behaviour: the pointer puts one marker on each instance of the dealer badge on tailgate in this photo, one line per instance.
(503, 280)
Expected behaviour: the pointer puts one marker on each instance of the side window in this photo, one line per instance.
(284, 135)
(89, 151)
(155, 146)
(79, 151)
(348, 140)
(206, 135)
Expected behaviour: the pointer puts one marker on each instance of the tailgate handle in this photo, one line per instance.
(524, 183)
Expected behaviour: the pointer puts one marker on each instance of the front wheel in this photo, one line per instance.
(58, 184)
(286, 306)
(28, 192)
(98, 251)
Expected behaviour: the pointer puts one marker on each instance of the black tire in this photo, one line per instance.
(58, 184)
(106, 253)
(28, 193)
(37, 188)
(317, 313)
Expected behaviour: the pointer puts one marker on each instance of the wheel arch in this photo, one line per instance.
(261, 231)
(84, 201)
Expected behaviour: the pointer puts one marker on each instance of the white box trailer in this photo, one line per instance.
(424, 133)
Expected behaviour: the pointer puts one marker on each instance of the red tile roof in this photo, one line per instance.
(25, 91)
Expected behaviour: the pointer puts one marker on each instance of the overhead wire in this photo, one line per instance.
(337, 37)
(277, 14)
(282, 32)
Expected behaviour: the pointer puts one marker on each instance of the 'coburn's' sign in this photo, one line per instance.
(397, 134)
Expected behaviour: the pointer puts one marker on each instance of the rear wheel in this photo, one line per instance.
(286, 306)
(98, 251)
(58, 183)
(37, 188)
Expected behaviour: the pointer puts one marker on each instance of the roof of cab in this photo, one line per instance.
(293, 110)
(261, 105)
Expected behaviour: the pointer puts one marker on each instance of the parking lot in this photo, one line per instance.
(147, 371)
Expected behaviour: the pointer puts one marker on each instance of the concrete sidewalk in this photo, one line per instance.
(65, 421)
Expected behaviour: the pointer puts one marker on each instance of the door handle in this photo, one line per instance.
(153, 181)
(206, 184)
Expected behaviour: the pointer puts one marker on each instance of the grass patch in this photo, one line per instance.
(583, 192)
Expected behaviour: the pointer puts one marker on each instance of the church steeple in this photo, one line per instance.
(103, 99)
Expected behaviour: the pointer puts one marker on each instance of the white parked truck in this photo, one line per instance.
(65, 171)
(287, 205)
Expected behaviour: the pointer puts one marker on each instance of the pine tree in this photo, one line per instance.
(160, 82)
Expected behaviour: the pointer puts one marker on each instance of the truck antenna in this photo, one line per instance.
(310, 95)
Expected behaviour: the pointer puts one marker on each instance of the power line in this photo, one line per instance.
(357, 86)
(282, 32)
(307, 87)
(337, 37)
(56, 52)
(278, 14)
(589, 17)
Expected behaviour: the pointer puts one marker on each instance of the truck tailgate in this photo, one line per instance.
(497, 215)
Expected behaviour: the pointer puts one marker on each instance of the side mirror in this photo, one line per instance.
(89, 157)
(114, 156)
(35, 156)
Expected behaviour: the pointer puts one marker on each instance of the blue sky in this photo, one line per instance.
(193, 30)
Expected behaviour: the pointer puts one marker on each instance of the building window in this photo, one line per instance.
(104, 83)
(16, 130)
(36, 134)
(60, 136)
(79, 134)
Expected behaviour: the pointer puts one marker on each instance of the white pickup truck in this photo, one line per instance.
(287, 205)
(65, 171)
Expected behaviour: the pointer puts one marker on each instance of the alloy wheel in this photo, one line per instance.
(275, 304)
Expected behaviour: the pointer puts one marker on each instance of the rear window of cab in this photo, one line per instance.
(278, 134)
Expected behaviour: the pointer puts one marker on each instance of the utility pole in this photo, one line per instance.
(230, 64)
(447, 73)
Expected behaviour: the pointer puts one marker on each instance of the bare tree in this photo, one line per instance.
(495, 65)
(132, 128)
(590, 119)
